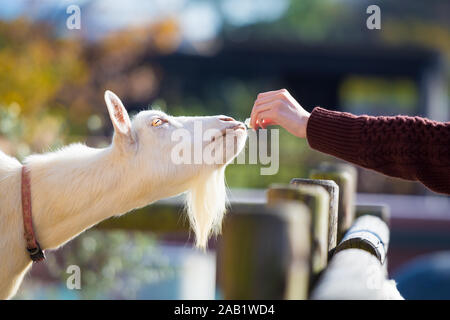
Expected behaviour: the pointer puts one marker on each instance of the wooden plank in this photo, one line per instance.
(355, 274)
(333, 191)
(345, 177)
(159, 218)
(264, 252)
(164, 216)
(316, 199)
(368, 233)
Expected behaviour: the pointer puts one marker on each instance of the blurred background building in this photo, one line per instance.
(198, 57)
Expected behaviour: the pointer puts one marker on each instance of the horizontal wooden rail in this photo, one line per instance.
(368, 233)
(355, 274)
(357, 269)
(160, 217)
(164, 216)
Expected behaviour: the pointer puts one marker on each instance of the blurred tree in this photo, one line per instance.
(51, 87)
(34, 67)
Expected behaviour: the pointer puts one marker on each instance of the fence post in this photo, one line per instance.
(333, 192)
(345, 177)
(265, 252)
(316, 199)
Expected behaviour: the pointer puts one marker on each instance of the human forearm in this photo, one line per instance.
(411, 148)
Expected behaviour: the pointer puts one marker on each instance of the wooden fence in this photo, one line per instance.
(308, 240)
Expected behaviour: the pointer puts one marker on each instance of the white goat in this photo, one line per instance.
(77, 187)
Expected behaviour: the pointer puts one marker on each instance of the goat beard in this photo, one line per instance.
(206, 205)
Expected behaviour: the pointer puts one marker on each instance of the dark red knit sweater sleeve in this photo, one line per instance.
(411, 148)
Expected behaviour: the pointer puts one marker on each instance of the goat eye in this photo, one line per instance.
(157, 122)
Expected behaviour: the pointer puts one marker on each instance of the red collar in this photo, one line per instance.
(33, 248)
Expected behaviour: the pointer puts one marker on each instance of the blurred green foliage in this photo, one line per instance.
(377, 95)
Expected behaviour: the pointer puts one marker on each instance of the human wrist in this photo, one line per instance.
(301, 133)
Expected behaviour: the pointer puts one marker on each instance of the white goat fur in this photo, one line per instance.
(78, 186)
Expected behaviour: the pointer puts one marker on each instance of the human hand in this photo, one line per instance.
(279, 108)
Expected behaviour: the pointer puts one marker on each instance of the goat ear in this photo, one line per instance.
(118, 114)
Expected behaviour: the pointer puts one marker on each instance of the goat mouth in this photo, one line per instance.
(224, 132)
(239, 126)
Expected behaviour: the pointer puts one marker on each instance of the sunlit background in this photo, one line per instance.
(197, 57)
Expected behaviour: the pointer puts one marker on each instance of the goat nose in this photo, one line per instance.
(226, 119)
